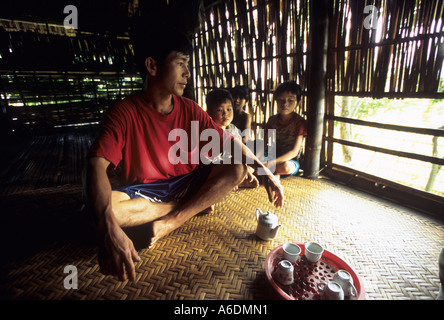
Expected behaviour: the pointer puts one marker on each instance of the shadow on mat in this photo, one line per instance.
(44, 219)
(262, 289)
(140, 235)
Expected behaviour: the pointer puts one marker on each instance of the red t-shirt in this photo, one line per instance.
(136, 135)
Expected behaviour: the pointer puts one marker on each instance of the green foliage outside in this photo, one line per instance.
(420, 113)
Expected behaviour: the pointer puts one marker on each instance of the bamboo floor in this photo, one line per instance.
(216, 256)
(44, 160)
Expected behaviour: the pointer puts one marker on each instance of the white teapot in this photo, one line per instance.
(267, 225)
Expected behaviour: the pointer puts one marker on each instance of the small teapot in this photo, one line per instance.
(267, 225)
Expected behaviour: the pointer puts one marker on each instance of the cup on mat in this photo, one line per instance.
(313, 251)
(331, 290)
(346, 281)
(291, 252)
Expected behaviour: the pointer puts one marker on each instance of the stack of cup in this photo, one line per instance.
(291, 254)
(285, 269)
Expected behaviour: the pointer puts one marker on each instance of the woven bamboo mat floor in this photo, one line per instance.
(44, 161)
(217, 256)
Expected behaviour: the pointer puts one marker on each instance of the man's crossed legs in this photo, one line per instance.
(131, 210)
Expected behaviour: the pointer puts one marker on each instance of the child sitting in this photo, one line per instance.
(290, 128)
(241, 118)
(220, 108)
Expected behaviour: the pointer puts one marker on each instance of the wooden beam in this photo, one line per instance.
(386, 126)
(409, 155)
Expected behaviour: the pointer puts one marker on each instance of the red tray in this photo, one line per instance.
(308, 275)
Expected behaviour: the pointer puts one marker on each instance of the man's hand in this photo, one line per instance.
(274, 188)
(251, 178)
(117, 254)
(275, 191)
(272, 185)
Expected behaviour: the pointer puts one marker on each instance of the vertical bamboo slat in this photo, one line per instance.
(401, 57)
(262, 43)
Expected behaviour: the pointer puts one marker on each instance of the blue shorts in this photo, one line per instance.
(178, 189)
(294, 160)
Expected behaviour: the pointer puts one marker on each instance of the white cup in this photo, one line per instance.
(291, 252)
(331, 290)
(284, 272)
(313, 251)
(346, 281)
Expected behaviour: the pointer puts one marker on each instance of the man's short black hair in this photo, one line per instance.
(216, 97)
(242, 92)
(156, 40)
(288, 86)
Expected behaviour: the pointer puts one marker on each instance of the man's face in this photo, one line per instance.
(174, 73)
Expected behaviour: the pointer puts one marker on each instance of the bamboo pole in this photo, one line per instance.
(317, 86)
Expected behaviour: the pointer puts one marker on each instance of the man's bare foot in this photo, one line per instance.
(167, 224)
(159, 229)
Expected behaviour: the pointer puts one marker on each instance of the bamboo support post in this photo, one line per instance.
(317, 87)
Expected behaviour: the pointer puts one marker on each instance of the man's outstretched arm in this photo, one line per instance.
(272, 185)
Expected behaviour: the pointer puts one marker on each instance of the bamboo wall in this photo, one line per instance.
(402, 58)
(261, 43)
(395, 50)
(32, 46)
(52, 77)
(39, 101)
(257, 43)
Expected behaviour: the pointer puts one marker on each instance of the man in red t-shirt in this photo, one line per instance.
(142, 134)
